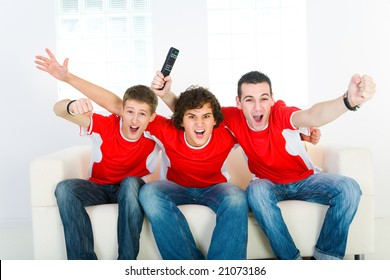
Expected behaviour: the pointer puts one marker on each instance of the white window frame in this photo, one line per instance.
(110, 43)
(269, 36)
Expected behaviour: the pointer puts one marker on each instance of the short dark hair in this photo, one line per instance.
(253, 77)
(141, 93)
(195, 97)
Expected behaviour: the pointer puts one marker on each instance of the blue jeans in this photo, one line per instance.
(341, 193)
(73, 195)
(174, 239)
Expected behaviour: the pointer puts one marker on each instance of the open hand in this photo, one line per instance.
(51, 66)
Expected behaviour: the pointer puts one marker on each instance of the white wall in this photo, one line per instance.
(345, 37)
(28, 125)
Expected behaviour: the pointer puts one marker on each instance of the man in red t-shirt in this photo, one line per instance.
(268, 132)
(195, 147)
(121, 158)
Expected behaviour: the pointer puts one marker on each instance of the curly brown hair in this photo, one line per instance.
(195, 97)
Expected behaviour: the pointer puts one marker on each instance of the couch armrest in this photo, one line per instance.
(354, 162)
(46, 171)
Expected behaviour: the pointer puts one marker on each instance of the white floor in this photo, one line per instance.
(16, 242)
(382, 240)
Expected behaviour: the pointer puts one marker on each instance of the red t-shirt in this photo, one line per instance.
(114, 157)
(275, 153)
(189, 166)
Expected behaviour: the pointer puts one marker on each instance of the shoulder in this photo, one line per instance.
(279, 104)
(101, 123)
(233, 118)
(106, 118)
(231, 114)
(281, 107)
(160, 122)
(281, 114)
(161, 127)
(223, 134)
(230, 111)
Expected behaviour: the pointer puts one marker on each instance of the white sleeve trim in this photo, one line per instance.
(87, 131)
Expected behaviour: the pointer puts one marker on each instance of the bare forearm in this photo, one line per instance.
(320, 113)
(360, 90)
(61, 110)
(101, 96)
(170, 100)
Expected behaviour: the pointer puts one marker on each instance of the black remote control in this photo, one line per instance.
(169, 61)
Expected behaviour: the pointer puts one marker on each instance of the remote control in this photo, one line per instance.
(169, 61)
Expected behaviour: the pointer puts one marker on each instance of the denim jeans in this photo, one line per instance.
(160, 200)
(341, 193)
(73, 195)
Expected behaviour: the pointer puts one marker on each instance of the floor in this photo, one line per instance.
(16, 242)
(382, 240)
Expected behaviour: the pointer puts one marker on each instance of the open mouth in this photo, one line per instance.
(258, 118)
(134, 129)
(199, 133)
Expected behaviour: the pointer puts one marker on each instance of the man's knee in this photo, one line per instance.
(63, 189)
(129, 188)
(352, 191)
(234, 198)
(150, 201)
(259, 194)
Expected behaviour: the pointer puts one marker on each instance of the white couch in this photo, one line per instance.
(303, 219)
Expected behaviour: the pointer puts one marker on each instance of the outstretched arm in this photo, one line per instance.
(76, 111)
(101, 96)
(162, 87)
(360, 90)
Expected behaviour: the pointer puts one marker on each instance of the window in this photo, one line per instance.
(264, 35)
(109, 42)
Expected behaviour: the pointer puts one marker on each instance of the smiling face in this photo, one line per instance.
(256, 102)
(135, 118)
(198, 125)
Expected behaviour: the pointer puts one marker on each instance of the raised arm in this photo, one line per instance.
(360, 90)
(162, 87)
(75, 111)
(101, 96)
